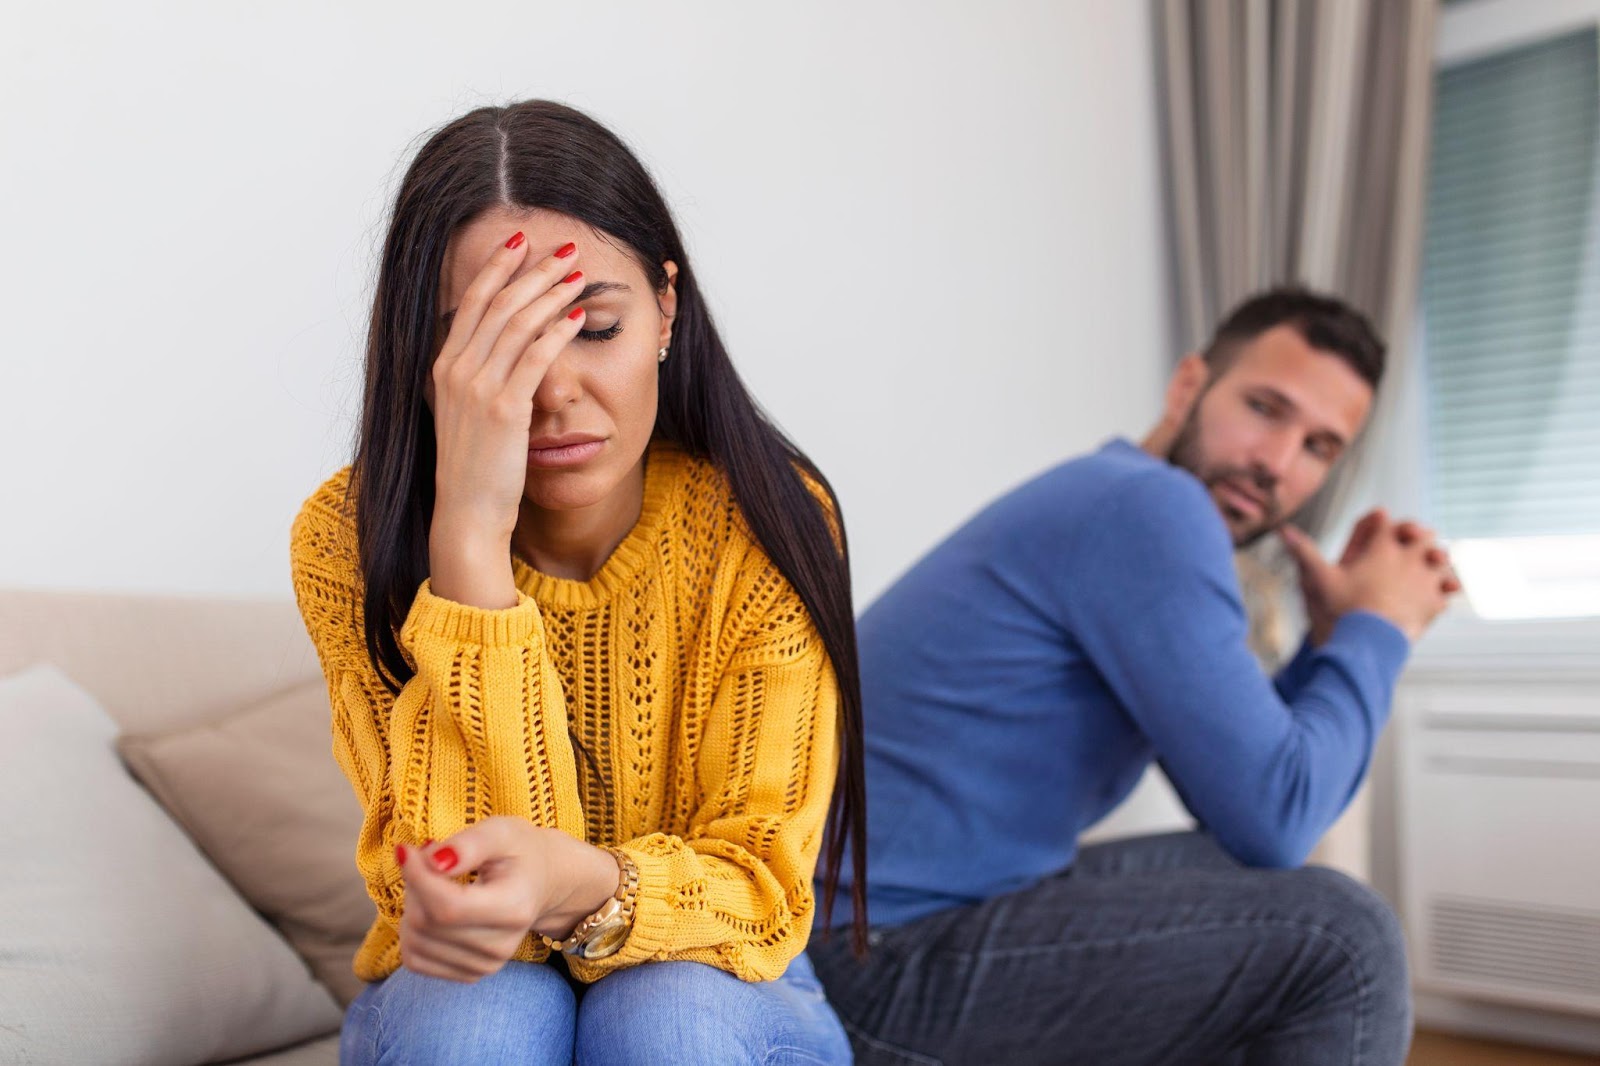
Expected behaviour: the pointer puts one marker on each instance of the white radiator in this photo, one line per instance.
(1499, 789)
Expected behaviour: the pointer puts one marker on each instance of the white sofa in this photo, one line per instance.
(118, 941)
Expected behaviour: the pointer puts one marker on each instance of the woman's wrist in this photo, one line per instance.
(468, 567)
(583, 877)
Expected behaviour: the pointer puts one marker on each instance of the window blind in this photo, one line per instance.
(1511, 293)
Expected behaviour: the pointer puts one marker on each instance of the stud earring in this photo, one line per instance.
(661, 356)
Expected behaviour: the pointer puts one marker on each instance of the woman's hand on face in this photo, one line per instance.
(529, 879)
(502, 339)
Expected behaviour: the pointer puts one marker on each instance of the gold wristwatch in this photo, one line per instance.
(606, 930)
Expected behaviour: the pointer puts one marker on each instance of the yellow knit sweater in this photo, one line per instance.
(687, 668)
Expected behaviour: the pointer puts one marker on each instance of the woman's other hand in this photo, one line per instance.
(501, 340)
(528, 879)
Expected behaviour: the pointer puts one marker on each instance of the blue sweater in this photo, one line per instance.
(1021, 676)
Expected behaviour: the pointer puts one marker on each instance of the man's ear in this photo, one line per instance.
(667, 301)
(1184, 389)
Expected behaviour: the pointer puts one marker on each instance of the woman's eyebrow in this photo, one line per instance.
(591, 290)
(600, 288)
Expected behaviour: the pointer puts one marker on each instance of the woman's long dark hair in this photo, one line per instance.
(538, 154)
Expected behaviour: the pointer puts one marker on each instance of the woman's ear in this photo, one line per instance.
(667, 301)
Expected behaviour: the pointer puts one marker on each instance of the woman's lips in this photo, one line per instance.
(551, 455)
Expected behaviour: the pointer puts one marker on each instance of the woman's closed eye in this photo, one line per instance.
(601, 334)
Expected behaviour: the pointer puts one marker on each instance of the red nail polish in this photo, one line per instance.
(570, 278)
(445, 859)
(566, 250)
(516, 240)
(577, 313)
(400, 854)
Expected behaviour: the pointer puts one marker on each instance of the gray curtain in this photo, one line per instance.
(1296, 136)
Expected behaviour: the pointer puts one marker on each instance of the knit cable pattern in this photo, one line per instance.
(687, 669)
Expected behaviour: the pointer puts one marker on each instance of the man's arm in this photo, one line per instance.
(1293, 675)
(1149, 591)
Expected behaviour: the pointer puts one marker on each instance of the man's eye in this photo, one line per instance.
(601, 334)
(1322, 449)
(1260, 407)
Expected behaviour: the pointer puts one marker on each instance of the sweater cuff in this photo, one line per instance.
(652, 915)
(650, 937)
(509, 627)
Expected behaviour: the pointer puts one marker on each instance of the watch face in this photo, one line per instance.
(605, 939)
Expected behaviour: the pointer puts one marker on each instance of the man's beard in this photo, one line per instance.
(1187, 454)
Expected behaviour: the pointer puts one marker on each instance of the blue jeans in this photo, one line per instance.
(669, 1013)
(1156, 951)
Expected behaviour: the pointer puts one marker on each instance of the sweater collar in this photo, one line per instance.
(662, 474)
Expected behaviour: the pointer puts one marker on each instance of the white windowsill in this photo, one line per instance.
(1461, 647)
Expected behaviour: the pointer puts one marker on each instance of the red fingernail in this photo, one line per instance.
(516, 240)
(445, 859)
(570, 278)
(400, 854)
(577, 313)
(566, 250)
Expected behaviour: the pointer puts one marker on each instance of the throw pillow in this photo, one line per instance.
(118, 941)
(261, 794)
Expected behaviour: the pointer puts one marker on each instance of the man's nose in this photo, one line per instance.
(1275, 454)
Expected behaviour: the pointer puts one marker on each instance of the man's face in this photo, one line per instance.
(1267, 431)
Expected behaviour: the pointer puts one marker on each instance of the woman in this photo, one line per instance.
(585, 619)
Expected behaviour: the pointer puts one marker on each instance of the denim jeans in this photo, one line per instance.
(1158, 950)
(669, 1013)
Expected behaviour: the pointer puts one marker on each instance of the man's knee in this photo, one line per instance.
(1363, 931)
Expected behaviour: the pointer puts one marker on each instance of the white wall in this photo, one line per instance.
(931, 232)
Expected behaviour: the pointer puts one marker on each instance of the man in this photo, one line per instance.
(1020, 678)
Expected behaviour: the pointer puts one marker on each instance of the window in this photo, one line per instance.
(1511, 299)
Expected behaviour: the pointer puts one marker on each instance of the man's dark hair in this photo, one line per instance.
(1327, 324)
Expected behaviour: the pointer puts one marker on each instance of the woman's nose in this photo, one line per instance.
(559, 387)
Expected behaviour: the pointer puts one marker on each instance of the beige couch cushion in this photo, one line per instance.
(158, 663)
(118, 941)
(261, 794)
